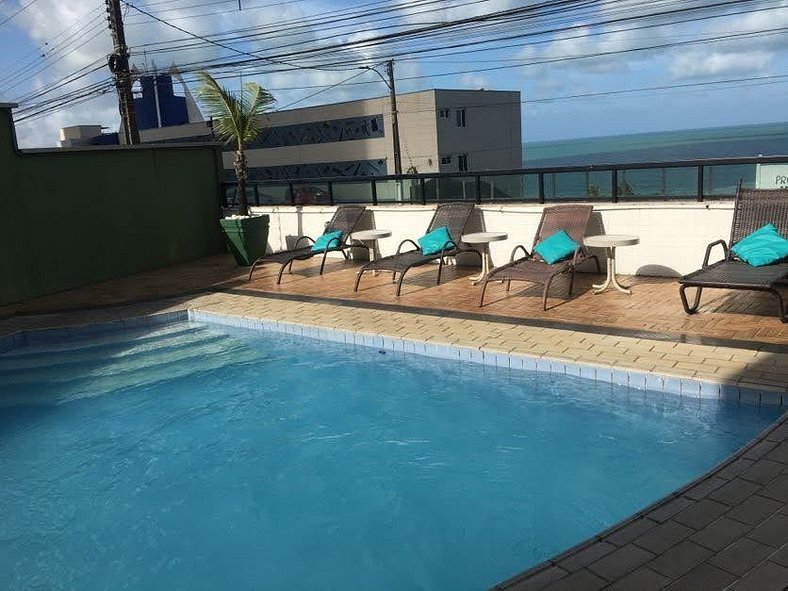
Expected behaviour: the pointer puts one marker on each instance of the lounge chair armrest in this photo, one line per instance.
(708, 251)
(448, 245)
(401, 244)
(514, 252)
(300, 238)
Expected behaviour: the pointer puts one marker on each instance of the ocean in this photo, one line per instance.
(767, 139)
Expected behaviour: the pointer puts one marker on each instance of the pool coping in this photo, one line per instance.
(636, 379)
(582, 556)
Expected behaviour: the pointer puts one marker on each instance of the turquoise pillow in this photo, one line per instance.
(434, 242)
(556, 247)
(763, 247)
(327, 240)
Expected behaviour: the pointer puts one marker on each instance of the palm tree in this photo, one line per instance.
(237, 119)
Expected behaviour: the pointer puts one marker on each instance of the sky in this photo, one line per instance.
(604, 67)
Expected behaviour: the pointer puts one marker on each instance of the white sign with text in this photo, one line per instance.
(772, 176)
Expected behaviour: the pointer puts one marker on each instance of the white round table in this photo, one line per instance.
(484, 238)
(369, 238)
(610, 242)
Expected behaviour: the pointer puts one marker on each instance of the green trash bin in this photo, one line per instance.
(247, 238)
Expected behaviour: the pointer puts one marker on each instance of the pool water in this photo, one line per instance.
(203, 457)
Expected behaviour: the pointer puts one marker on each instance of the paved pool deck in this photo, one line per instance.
(729, 529)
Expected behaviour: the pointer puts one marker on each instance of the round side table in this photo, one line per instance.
(610, 242)
(483, 238)
(369, 238)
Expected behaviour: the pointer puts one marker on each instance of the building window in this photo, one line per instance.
(460, 117)
(462, 162)
(443, 113)
(445, 159)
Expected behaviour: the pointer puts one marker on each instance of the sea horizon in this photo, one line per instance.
(759, 139)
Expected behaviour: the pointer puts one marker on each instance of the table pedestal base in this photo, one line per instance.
(486, 265)
(611, 275)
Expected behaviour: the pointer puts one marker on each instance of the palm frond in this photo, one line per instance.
(236, 116)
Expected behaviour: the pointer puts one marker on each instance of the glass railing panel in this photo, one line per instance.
(531, 186)
(312, 194)
(599, 184)
(681, 182)
(722, 179)
(230, 192)
(273, 194)
(404, 191)
(355, 192)
(648, 183)
(507, 187)
(566, 186)
(454, 188)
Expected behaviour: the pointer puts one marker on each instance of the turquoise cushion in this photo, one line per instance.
(556, 247)
(763, 247)
(434, 242)
(327, 240)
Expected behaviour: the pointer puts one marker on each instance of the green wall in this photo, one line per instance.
(74, 217)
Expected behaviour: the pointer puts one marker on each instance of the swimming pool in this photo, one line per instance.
(197, 456)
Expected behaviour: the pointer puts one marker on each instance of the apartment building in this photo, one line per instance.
(439, 131)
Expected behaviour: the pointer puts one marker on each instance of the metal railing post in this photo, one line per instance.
(700, 183)
(374, 187)
(614, 185)
(331, 192)
(422, 189)
(292, 193)
(541, 187)
(478, 189)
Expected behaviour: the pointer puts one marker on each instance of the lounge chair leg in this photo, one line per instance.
(290, 267)
(358, 279)
(399, 283)
(323, 262)
(780, 305)
(544, 294)
(254, 264)
(484, 288)
(571, 280)
(281, 270)
(440, 269)
(344, 254)
(393, 276)
(694, 308)
(508, 284)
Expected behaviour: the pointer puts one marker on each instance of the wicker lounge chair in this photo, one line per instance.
(454, 216)
(752, 209)
(345, 219)
(573, 219)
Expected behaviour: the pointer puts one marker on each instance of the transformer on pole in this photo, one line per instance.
(118, 63)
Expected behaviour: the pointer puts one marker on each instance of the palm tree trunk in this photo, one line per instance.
(240, 174)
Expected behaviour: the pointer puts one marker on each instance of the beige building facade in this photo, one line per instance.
(440, 131)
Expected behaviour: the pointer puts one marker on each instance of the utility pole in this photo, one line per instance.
(119, 66)
(394, 121)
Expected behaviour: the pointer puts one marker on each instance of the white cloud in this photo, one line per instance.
(751, 55)
(475, 81)
(698, 64)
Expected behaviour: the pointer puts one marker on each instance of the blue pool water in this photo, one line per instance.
(199, 457)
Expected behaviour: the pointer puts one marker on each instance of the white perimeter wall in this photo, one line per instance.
(673, 236)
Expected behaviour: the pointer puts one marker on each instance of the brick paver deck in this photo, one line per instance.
(728, 528)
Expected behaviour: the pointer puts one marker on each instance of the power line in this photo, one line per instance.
(14, 14)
